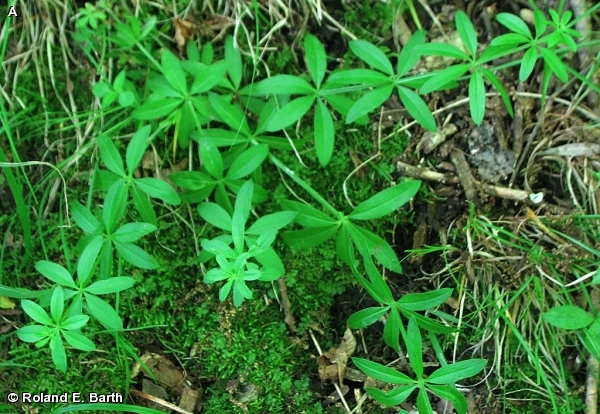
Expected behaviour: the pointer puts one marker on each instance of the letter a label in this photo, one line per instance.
(12, 12)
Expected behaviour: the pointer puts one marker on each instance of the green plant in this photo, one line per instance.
(320, 227)
(233, 263)
(408, 305)
(440, 382)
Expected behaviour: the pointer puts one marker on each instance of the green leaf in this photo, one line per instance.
(75, 322)
(443, 78)
(378, 283)
(372, 55)
(87, 260)
(158, 189)
(191, 180)
(452, 373)
(466, 31)
(84, 219)
(369, 101)
(217, 246)
(185, 124)
(174, 74)
(103, 312)
(424, 301)
(477, 97)
(290, 113)
(234, 62)
(271, 222)
(514, 23)
(216, 215)
(414, 347)
(152, 110)
(451, 394)
(132, 232)
(443, 49)
(240, 292)
(496, 83)
(243, 201)
(343, 245)
(386, 201)
(528, 63)
(417, 108)
(554, 62)
(211, 157)
(230, 114)
(36, 312)
(381, 372)
(32, 333)
(143, 206)
(136, 148)
(366, 317)
(316, 59)
(370, 243)
(248, 161)
(423, 404)
(391, 330)
(324, 133)
(391, 398)
(208, 77)
(278, 85)
(114, 205)
(308, 216)
(568, 317)
(509, 39)
(426, 323)
(311, 237)
(110, 285)
(78, 341)
(409, 55)
(135, 255)
(355, 77)
(110, 155)
(56, 273)
(57, 349)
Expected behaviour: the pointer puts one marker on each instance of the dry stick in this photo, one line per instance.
(286, 306)
(422, 173)
(158, 401)
(591, 386)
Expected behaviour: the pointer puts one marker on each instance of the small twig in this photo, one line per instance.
(286, 306)
(591, 386)
(158, 401)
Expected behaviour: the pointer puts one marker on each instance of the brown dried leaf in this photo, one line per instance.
(184, 31)
(332, 364)
(348, 344)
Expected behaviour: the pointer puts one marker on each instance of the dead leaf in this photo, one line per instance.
(184, 31)
(332, 364)
(6, 303)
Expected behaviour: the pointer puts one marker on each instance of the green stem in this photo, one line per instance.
(303, 184)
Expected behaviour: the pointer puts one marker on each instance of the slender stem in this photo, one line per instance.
(303, 184)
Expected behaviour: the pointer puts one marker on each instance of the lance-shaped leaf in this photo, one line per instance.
(324, 133)
(110, 155)
(316, 60)
(372, 56)
(290, 113)
(369, 101)
(152, 110)
(381, 372)
(171, 69)
(386, 201)
(136, 148)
